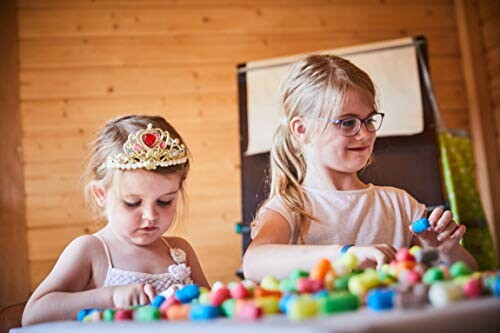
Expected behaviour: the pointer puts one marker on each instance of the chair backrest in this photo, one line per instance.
(409, 162)
(10, 316)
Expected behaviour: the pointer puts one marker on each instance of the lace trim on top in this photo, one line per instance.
(178, 273)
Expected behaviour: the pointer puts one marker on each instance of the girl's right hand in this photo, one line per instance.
(133, 294)
(373, 256)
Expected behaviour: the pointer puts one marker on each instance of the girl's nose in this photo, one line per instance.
(363, 132)
(149, 213)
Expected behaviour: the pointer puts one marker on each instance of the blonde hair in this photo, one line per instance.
(110, 142)
(315, 88)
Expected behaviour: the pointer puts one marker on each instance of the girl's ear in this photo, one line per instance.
(298, 128)
(99, 194)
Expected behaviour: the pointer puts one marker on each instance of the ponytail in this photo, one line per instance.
(288, 169)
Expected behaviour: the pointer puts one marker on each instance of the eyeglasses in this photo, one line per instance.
(351, 126)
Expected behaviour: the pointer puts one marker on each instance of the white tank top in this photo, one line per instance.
(177, 274)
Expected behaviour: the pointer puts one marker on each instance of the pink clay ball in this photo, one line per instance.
(168, 303)
(123, 314)
(239, 291)
(473, 288)
(404, 254)
(219, 296)
(249, 312)
(413, 277)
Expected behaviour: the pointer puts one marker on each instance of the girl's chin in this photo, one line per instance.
(142, 241)
(356, 166)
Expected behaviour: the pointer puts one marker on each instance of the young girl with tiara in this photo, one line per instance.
(318, 207)
(135, 176)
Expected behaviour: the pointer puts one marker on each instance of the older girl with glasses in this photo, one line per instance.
(318, 207)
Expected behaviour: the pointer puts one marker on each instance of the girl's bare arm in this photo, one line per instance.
(270, 254)
(63, 292)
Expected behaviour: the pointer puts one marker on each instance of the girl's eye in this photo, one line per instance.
(164, 203)
(349, 123)
(132, 204)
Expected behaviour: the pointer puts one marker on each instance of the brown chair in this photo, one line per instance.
(10, 316)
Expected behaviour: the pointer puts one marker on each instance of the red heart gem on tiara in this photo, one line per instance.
(149, 139)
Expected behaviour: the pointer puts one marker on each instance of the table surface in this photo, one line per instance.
(479, 316)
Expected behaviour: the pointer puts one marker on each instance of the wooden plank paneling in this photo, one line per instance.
(42, 116)
(495, 88)
(481, 114)
(489, 12)
(451, 96)
(45, 4)
(129, 81)
(44, 243)
(491, 31)
(14, 268)
(207, 19)
(493, 61)
(39, 270)
(488, 9)
(456, 118)
(204, 49)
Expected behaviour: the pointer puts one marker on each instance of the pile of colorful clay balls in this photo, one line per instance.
(413, 280)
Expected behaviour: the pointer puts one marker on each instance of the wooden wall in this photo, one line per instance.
(471, 18)
(84, 61)
(14, 280)
(489, 22)
(489, 13)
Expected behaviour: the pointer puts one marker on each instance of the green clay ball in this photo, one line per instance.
(147, 313)
(459, 269)
(297, 274)
(288, 285)
(228, 307)
(433, 275)
(108, 315)
(338, 302)
(341, 283)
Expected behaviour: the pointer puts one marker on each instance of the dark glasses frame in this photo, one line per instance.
(360, 122)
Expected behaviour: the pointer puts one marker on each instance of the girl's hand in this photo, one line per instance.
(373, 256)
(444, 233)
(133, 294)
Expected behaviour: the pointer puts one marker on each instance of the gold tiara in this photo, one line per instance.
(148, 149)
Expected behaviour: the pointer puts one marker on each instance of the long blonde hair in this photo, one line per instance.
(315, 88)
(110, 143)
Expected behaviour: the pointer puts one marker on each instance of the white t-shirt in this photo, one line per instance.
(377, 214)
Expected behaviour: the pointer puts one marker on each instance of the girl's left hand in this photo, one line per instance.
(444, 233)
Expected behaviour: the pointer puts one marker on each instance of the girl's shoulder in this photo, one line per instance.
(276, 201)
(180, 249)
(85, 249)
(391, 190)
(397, 196)
(175, 242)
(84, 243)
